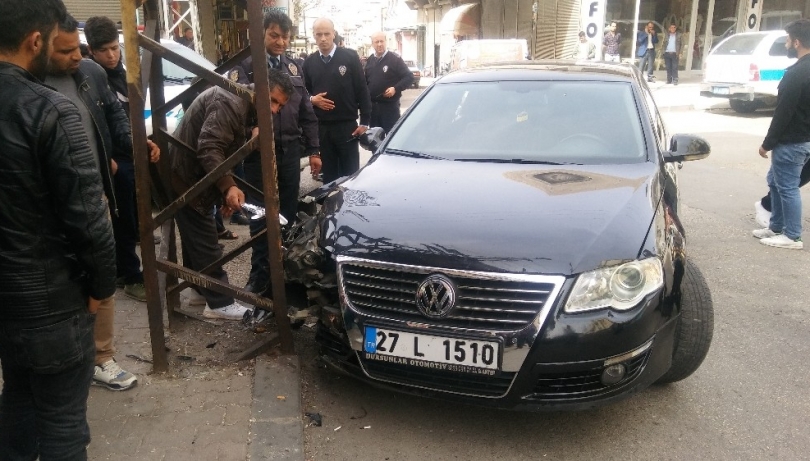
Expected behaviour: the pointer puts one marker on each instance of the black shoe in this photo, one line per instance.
(675, 82)
(669, 82)
(240, 219)
(257, 287)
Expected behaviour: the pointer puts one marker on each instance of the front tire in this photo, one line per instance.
(693, 334)
(743, 107)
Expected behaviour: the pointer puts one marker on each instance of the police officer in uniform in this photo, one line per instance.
(295, 122)
(387, 76)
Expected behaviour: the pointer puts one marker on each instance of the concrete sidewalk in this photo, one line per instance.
(237, 412)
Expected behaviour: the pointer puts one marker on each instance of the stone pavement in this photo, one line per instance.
(225, 413)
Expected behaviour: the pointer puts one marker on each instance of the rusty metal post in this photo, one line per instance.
(269, 173)
(142, 183)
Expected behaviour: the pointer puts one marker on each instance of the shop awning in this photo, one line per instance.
(461, 21)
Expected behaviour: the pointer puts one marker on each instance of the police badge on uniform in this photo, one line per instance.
(233, 75)
(342, 70)
(293, 69)
(385, 68)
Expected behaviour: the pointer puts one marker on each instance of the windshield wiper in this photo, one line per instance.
(521, 161)
(407, 153)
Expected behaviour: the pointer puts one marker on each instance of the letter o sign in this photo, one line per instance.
(591, 30)
(752, 21)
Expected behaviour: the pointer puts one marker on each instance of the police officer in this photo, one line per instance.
(387, 77)
(295, 121)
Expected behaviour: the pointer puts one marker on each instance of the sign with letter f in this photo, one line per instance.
(592, 22)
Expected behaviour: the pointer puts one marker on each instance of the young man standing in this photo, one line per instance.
(672, 53)
(387, 77)
(102, 42)
(334, 77)
(57, 256)
(645, 42)
(610, 44)
(294, 122)
(586, 51)
(214, 126)
(107, 128)
(789, 139)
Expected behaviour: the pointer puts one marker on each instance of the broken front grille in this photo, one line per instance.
(484, 301)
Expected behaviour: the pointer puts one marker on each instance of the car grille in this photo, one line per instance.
(482, 303)
(581, 384)
(428, 378)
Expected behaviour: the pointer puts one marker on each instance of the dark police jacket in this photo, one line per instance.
(343, 81)
(56, 241)
(113, 132)
(296, 121)
(791, 118)
(383, 73)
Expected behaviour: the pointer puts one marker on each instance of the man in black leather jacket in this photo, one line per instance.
(107, 127)
(57, 256)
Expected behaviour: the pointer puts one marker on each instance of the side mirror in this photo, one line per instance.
(372, 138)
(687, 147)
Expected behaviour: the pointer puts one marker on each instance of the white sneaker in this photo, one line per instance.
(763, 216)
(113, 377)
(233, 311)
(763, 233)
(783, 241)
(193, 296)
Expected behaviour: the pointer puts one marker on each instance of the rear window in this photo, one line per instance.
(740, 45)
(778, 47)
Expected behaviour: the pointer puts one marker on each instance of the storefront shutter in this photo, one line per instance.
(567, 28)
(84, 9)
(546, 29)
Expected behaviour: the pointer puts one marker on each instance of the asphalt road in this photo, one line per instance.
(749, 401)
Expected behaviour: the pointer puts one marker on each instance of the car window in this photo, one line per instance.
(172, 73)
(535, 121)
(778, 47)
(739, 45)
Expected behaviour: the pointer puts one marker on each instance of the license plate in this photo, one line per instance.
(720, 90)
(418, 349)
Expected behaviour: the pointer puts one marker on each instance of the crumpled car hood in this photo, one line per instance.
(535, 219)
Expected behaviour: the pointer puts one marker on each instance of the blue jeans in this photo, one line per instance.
(647, 62)
(47, 373)
(787, 161)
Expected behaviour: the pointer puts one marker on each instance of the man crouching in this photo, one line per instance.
(215, 126)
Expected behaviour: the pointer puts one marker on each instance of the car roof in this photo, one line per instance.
(543, 70)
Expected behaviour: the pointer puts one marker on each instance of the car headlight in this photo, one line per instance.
(618, 287)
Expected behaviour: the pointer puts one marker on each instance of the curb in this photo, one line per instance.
(276, 430)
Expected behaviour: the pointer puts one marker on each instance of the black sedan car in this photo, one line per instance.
(513, 242)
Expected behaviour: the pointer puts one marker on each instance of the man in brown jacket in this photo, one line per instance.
(215, 126)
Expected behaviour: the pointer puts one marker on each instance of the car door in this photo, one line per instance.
(772, 61)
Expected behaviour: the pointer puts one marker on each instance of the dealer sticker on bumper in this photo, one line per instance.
(416, 349)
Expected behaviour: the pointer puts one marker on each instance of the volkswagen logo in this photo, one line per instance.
(436, 296)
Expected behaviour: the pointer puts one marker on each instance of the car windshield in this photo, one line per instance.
(172, 73)
(739, 45)
(558, 122)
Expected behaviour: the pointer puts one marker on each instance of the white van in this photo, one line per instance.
(471, 53)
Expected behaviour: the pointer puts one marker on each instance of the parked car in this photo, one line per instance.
(175, 80)
(510, 245)
(771, 20)
(417, 76)
(746, 69)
